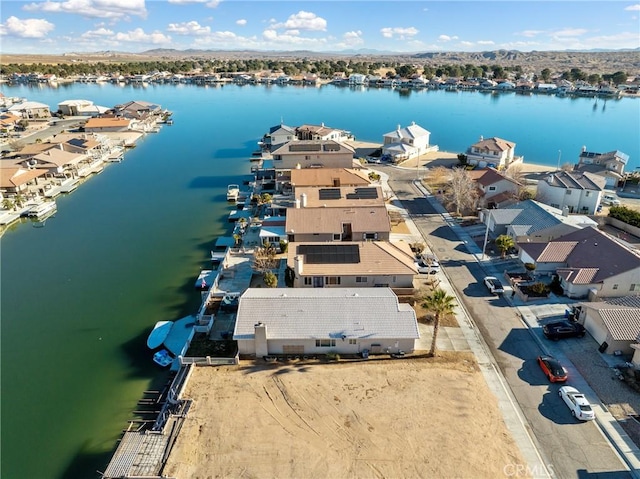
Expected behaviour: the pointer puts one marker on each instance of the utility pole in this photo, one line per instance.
(486, 236)
(559, 156)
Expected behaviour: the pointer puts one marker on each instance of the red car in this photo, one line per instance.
(552, 368)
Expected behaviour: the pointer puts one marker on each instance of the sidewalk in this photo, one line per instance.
(530, 313)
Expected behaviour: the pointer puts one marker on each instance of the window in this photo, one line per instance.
(363, 279)
(332, 280)
(567, 192)
(587, 193)
(555, 205)
(337, 237)
(325, 343)
(352, 341)
(307, 281)
(370, 236)
(492, 188)
(615, 286)
(633, 287)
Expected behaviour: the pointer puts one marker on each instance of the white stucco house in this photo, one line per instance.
(614, 325)
(30, 110)
(493, 152)
(406, 143)
(275, 321)
(313, 154)
(579, 192)
(608, 165)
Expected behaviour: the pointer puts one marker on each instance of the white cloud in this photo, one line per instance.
(292, 32)
(139, 36)
(570, 32)
(399, 32)
(28, 28)
(303, 21)
(486, 42)
(615, 41)
(633, 8)
(447, 38)
(99, 33)
(350, 39)
(530, 33)
(242, 22)
(188, 28)
(208, 3)
(466, 44)
(106, 9)
(283, 40)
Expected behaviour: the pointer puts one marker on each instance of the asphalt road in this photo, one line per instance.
(570, 448)
(41, 134)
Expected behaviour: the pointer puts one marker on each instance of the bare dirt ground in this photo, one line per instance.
(415, 417)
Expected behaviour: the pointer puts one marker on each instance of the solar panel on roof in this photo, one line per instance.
(305, 147)
(330, 253)
(330, 194)
(331, 147)
(363, 194)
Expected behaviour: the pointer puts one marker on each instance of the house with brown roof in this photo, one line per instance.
(615, 327)
(313, 154)
(341, 197)
(578, 192)
(588, 262)
(493, 152)
(495, 188)
(321, 132)
(328, 177)
(16, 180)
(138, 110)
(8, 122)
(336, 224)
(352, 264)
(108, 124)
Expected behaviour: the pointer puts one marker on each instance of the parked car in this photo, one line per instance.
(563, 329)
(493, 284)
(610, 200)
(577, 403)
(430, 267)
(552, 368)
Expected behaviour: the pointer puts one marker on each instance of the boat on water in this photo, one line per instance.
(163, 358)
(159, 334)
(42, 209)
(204, 280)
(233, 190)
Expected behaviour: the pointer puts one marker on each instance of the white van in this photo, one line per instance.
(610, 200)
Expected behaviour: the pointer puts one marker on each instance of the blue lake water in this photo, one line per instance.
(79, 296)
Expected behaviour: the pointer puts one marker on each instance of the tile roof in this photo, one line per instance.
(494, 144)
(622, 322)
(348, 196)
(556, 252)
(411, 131)
(13, 177)
(629, 301)
(59, 157)
(489, 176)
(328, 177)
(527, 213)
(578, 275)
(600, 170)
(107, 122)
(308, 313)
(330, 220)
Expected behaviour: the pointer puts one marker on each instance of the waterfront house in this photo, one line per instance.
(139, 110)
(338, 196)
(81, 108)
(108, 124)
(31, 110)
(406, 143)
(532, 222)
(275, 321)
(278, 135)
(357, 79)
(364, 264)
(313, 154)
(360, 223)
(615, 325)
(17, 180)
(321, 132)
(493, 152)
(495, 188)
(8, 122)
(608, 165)
(328, 177)
(60, 163)
(577, 191)
(588, 262)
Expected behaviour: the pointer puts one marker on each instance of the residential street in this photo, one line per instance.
(569, 448)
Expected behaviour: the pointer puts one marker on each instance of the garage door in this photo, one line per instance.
(293, 349)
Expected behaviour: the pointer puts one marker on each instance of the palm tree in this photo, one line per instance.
(504, 244)
(440, 304)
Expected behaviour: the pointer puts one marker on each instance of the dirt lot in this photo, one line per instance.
(415, 417)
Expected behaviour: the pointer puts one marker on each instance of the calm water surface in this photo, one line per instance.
(79, 296)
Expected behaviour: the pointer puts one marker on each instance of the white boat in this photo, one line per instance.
(42, 209)
(163, 358)
(233, 191)
(204, 280)
(159, 334)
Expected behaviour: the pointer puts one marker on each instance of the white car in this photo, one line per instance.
(427, 267)
(493, 284)
(577, 403)
(610, 200)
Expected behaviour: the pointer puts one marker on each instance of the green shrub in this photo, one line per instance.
(626, 215)
(539, 288)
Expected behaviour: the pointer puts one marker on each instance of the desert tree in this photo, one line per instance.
(440, 304)
(264, 258)
(504, 243)
(462, 192)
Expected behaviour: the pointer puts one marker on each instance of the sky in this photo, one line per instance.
(65, 26)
